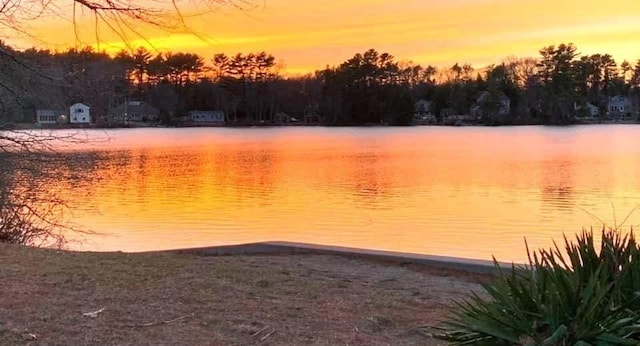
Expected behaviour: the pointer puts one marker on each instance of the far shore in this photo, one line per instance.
(26, 126)
(199, 297)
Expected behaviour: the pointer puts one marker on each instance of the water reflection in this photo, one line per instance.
(368, 182)
(470, 192)
(557, 182)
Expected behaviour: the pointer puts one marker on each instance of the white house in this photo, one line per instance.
(79, 113)
(49, 117)
(619, 106)
(207, 117)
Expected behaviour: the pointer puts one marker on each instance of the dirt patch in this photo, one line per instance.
(182, 299)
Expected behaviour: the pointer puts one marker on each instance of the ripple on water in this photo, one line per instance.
(470, 192)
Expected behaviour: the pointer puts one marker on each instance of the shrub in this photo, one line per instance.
(581, 297)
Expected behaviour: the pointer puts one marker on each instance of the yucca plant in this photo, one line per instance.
(581, 297)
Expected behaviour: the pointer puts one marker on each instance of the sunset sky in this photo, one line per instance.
(308, 35)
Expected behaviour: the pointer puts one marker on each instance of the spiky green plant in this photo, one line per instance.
(581, 297)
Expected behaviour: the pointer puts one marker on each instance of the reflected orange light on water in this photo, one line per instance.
(471, 192)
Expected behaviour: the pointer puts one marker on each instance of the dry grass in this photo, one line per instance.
(182, 299)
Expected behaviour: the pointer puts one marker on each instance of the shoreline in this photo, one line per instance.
(283, 248)
(31, 126)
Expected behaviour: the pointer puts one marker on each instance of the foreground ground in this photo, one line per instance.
(185, 299)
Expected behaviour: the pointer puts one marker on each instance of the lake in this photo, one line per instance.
(458, 191)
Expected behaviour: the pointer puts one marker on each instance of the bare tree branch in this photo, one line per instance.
(118, 15)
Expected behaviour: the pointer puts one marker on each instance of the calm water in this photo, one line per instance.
(469, 192)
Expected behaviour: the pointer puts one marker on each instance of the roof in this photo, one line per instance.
(619, 98)
(48, 112)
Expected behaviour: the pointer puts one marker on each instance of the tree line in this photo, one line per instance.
(369, 88)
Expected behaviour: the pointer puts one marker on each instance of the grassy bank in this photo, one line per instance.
(173, 299)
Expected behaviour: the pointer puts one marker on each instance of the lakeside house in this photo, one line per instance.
(588, 110)
(283, 118)
(491, 105)
(206, 117)
(135, 111)
(422, 108)
(50, 117)
(312, 114)
(422, 112)
(619, 106)
(80, 113)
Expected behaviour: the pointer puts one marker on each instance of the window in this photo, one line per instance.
(79, 110)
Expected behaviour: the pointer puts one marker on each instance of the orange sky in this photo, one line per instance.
(308, 35)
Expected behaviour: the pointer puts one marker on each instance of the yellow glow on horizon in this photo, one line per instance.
(310, 36)
(170, 42)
